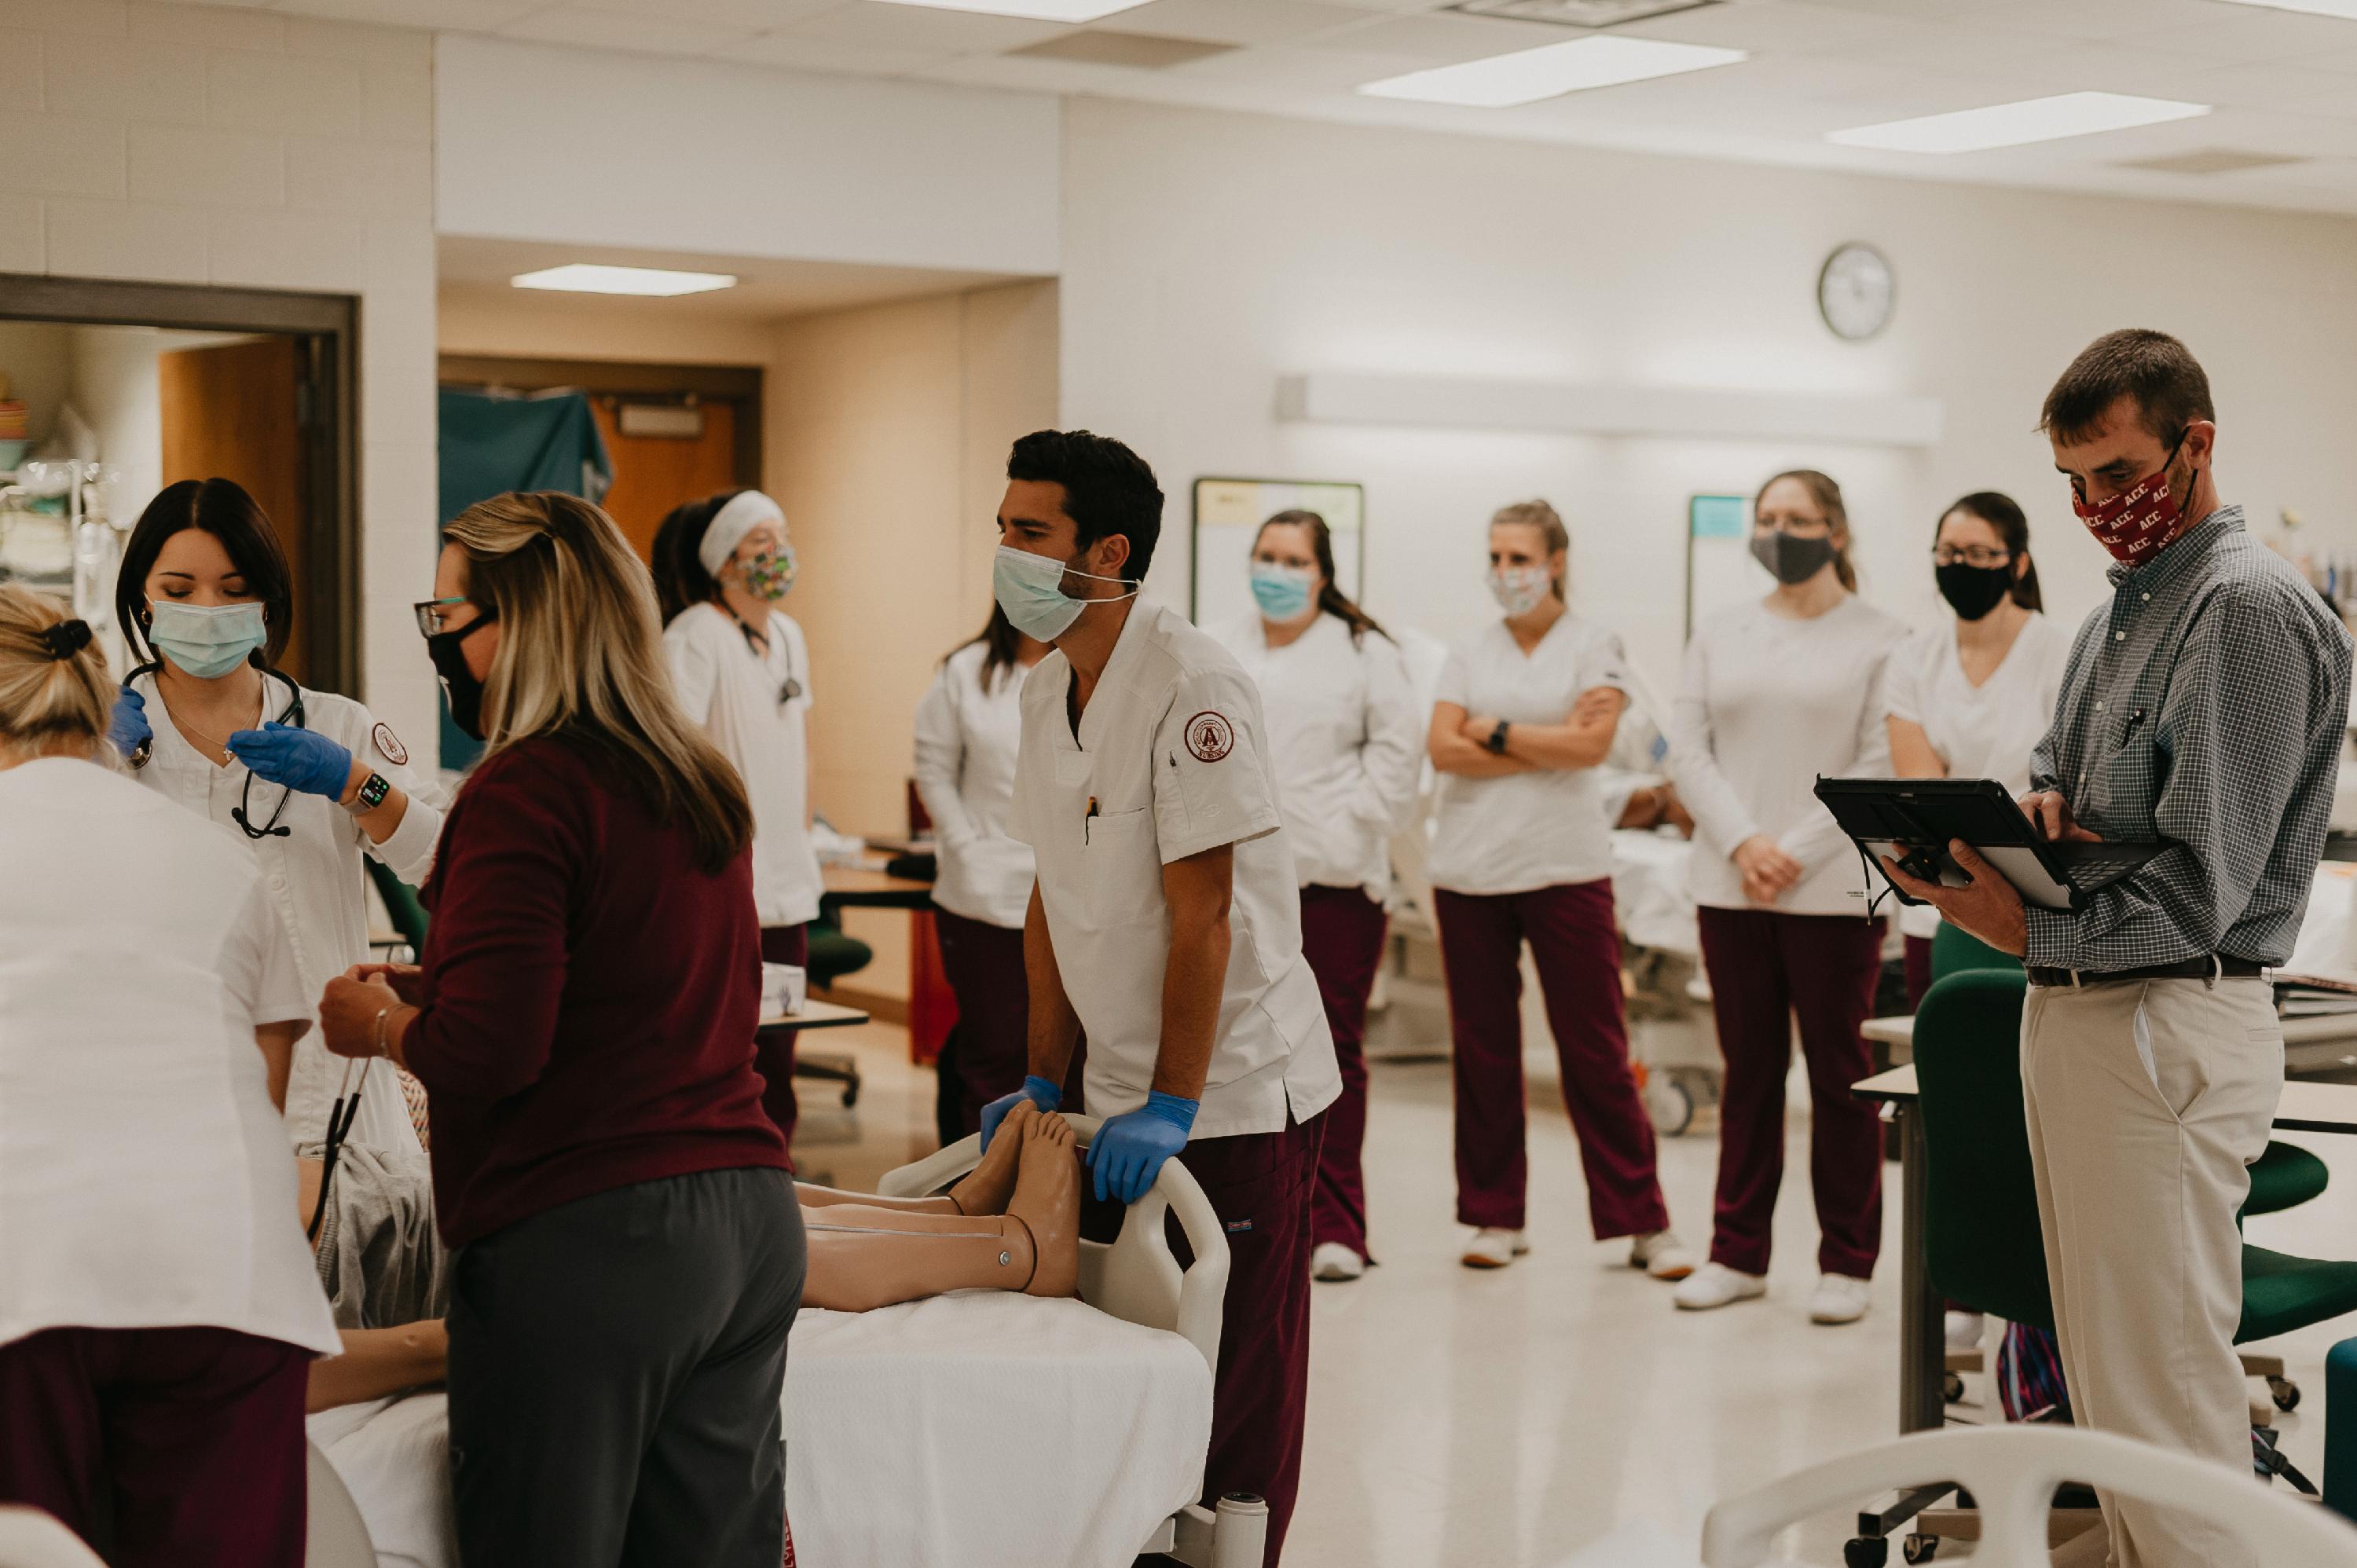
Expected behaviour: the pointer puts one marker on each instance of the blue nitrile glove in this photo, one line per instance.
(1036, 1090)
(301, 760)
(1128, 1150)
(128, 727)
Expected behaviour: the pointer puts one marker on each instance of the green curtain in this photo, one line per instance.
(490, 444)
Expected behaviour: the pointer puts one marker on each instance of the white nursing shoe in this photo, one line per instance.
(1493, 1249)
(1333, 1261)
(1963, 1330)
(1660, 1255)
(1840, 1298)
(1716, 1284)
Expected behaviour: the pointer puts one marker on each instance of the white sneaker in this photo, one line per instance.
(1333, 1261)
(1716, 1284)
(1963, 1331)
(1494, 1248)
(1660, 1255)
(1840, 1298)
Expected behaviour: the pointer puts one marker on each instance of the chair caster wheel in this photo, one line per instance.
(1920, 1548)
(2285, 1393)
(1952, 1389)
(1865, 1551)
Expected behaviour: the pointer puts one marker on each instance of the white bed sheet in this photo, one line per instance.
(979, 1430)
(1649, 891)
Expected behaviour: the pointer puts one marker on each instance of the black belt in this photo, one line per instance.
(2220, 967)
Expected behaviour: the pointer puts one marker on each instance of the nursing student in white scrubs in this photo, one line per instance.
(1776, 693)
(159, 1309)
(309, 781)
(1346, 745)
(740, 668)
(968, 725)
(1970, 698)
(1166, 923)
(1522, 851)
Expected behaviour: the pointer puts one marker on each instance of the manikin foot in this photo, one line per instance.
(987, 1188)
(1047, 1201)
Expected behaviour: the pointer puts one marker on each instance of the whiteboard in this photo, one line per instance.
(1720, 572)
(1228, 515)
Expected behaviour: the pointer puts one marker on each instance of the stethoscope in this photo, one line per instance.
(292, 714)
(755, 641)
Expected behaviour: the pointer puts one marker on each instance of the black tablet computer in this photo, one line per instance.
(1913, 819)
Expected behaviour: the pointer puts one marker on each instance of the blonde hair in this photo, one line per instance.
(580, 658)
(49, 705)
(1549, 523)
(1828, 497)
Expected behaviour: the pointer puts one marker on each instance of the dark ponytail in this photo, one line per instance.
(1332, 600)
(2003, 513)
(1000, 642)
(681, 581)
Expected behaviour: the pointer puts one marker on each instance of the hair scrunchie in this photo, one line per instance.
(67, 638)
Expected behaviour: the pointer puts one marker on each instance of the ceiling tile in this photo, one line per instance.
(1776, 26)
(921, 27)
(2098, 21)
(610, 30)
(827, 55)
(2242, 33)
(453, 15)
(1239, 21)
(760, 15)
(1446, 39)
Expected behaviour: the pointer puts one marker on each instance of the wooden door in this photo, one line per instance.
(653, 474)
(234, 410)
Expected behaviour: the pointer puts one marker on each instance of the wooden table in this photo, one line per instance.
(815, 1015)
(933, 1009)
(2322, 1042)
(872, 888)
(830, 1066)
(2306, 1106)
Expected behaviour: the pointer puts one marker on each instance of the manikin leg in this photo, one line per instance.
(862, 1256)
(984, 1190)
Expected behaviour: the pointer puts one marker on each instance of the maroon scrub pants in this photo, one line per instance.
(1343, 938)
(983, 964)
(1766, 970)
(162, 1447)
(773, 1049)
(1576, 949)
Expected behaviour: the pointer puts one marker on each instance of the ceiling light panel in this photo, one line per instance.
(1028, 10)
(585, 277)
(2345, 9)
(2017, 124)
(1527, 76)
(1578, 13)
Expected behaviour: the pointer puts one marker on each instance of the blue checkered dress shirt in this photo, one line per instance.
(2206, 706)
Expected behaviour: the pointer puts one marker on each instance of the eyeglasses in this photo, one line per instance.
(1979, 555)
(429, 614)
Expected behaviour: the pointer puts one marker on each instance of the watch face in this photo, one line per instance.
(1855, 292)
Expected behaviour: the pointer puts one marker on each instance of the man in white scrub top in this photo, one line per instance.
(1166, 924)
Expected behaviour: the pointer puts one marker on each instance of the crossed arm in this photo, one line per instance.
(1460, 740)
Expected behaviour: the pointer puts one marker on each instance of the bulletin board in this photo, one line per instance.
(1720, 573)
(1228, 515)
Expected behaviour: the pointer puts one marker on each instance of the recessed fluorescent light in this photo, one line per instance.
(2344, 9)
(2013, 125)
(1029, 10)
(585, 277)
(1549, 72)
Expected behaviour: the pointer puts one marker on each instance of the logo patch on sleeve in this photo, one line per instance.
(388, 744)
(1209, 737)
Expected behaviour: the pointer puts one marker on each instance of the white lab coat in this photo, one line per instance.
(146, 1180)
(1171, 760)
(967, 737)
(734, 693)
(314, 878)
(1345, 741)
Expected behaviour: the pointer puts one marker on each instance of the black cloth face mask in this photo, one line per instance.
(1789, 557)
(1974, 591)
(459, 687)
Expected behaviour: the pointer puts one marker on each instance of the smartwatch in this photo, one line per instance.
(1497, 741)
(370, 794)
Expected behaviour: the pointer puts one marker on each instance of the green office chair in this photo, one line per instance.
(2285, 1177)
(400, 903)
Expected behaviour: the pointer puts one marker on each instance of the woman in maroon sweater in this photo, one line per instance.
(628, 1250)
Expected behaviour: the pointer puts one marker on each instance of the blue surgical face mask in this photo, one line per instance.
(1282, 592)
(1031, 590)
(206, 640)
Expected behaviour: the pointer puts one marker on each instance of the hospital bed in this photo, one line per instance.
(978, 1430)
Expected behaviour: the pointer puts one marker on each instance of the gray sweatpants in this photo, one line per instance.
(615, 1370)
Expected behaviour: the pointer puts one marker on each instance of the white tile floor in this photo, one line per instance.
(1515, 1418)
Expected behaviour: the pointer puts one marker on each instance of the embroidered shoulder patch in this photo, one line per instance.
(389, 744)
(1209, 737)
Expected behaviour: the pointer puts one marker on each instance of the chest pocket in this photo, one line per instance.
(1122, 864)
(2126, 785)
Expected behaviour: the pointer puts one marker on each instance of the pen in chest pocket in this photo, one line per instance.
(1087, 818)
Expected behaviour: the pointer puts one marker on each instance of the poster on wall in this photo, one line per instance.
(1228, 515)
(1720, 573)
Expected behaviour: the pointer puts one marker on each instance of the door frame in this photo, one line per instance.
(325, 329)
(617, 378)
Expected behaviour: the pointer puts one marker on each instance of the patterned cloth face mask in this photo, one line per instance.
(2135, 524)
(769, 575)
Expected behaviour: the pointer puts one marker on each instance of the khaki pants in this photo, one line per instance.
(2146, 1101)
